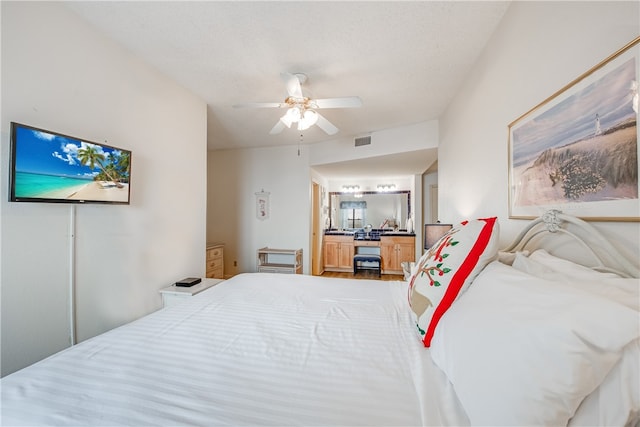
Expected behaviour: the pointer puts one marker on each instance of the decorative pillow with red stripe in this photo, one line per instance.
(448, 268)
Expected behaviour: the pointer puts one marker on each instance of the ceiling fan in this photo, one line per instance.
(302, 109)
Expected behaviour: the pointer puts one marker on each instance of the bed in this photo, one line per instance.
(518, 343)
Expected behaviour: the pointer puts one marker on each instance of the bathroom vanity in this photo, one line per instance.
(394, 247)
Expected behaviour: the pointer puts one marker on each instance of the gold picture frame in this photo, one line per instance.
(577, 151)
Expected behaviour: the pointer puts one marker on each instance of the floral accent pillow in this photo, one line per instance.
(448, 268)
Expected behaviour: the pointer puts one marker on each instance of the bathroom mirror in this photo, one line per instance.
(348, 211)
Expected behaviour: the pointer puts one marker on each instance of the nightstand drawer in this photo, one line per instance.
(214, 263)
(214, 253)
(216, 273)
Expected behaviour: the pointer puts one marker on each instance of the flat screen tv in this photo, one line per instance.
(50, 167)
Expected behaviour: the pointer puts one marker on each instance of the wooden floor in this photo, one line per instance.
(366, 274)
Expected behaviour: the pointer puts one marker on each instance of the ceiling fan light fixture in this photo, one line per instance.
(286, 120)
(301, 109)
(294, 114)
(309, 118)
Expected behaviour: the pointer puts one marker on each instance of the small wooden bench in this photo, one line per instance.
(370, 258)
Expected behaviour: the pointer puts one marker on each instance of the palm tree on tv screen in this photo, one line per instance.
(90, 156)
(123, 163)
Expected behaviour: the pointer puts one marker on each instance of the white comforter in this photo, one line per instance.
(259, 349)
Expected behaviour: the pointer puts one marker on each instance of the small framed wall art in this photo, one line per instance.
(262, 205)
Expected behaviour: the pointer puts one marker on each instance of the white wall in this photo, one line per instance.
(537, 49)
(418, 136)
(402, 183)
(428, 180)
(233, 179)
(59, 74)
(234, 176)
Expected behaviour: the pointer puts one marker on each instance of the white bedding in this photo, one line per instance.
(545, 347)
(616, 402)
(258, 349)
(271, 349)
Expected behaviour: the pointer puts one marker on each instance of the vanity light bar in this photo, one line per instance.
(350, 188)
(386, 187)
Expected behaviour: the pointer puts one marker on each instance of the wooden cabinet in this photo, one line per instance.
(215, 261)
(338, 253)
(288, 261)
(394, 251)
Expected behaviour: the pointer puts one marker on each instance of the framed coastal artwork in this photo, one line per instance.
(577, 151)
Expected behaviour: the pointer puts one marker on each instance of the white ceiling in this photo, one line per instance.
(404, 59)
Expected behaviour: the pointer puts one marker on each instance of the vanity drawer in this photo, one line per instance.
(373, 243)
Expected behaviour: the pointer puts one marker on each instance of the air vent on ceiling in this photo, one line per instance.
(363, 140)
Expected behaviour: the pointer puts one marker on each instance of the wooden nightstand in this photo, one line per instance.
(174, 294)
(215, 261)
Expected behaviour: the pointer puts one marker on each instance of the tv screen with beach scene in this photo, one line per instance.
(50, 167)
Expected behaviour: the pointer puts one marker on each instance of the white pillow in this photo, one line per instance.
(625, 291)
(508, 257)
(567, 267)
(520, 350)
(616, 402)
(523, 263)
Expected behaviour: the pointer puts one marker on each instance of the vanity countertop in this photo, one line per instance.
(339, 233)
(397, 233)
(374, 234)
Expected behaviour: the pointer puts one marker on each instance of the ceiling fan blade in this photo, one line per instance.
(293, 85)
(279, 127)
(326, 125)
(260, 105)
(345, 102)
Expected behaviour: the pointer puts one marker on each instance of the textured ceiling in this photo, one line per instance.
(404, 59)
